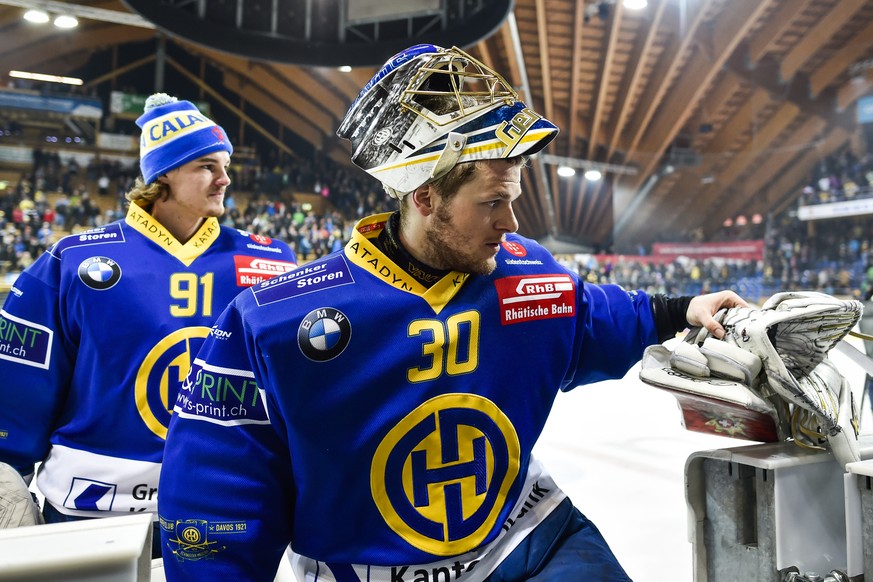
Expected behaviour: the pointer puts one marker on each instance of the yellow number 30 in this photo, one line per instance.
(443, 346)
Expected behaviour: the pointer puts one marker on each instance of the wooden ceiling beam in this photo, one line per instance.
(265, 77)
(566, 191)
(766, 75)
(579, 30)
(546, 181)
(588, 192)
(604, 78)
(734, 198)
(545, 67)
(31, 55)
(857, 48)
(777, 24)
(742, 166)
(116, 71)
(661, 77)
(819, 35)
(252, 96)
(344, 85)
(726, 87)
(514, 73)
(853, 90)
(485, 52)
(266, 102)
(695, 78)
(722, 146)
(745, 120)
(534, 220)
(631, 80)
(626, 188)
(310, 85)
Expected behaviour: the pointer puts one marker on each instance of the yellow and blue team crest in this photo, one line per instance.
(441, 476)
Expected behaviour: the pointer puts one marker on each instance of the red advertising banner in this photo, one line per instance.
(741, 249)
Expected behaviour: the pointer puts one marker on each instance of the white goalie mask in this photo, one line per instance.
(398, 139)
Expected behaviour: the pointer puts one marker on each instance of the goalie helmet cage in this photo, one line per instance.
(758, 511)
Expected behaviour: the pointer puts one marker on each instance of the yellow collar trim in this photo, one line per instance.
(149, 227)
(363, 253)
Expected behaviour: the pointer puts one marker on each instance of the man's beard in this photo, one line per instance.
(449, 248)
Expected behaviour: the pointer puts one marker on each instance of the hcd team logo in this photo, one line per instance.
(161, 373)
(441, 475)
(191, 541)
(323, 334)
(99, 273)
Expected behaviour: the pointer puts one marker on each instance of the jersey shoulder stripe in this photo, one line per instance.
(111, 233)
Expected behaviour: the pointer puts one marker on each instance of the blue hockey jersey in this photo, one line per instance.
(379, 427)
(95, 340)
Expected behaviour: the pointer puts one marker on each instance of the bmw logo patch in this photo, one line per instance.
(99, 273)
(323, 334)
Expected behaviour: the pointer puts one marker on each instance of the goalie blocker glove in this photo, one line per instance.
(718, 388)
(791, 335)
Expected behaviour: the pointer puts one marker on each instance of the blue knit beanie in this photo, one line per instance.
(174, 133)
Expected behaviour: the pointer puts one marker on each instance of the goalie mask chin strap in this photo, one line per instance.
(455, 143)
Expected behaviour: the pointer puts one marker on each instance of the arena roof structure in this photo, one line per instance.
(694, 111)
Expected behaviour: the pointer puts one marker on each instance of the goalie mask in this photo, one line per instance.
(428, 109)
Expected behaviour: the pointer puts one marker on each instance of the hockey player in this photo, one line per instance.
(377, 408)
(98, 334)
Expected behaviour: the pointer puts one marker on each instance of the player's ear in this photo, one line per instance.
(422, 199)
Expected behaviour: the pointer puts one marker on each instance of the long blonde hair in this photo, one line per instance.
(146, 194)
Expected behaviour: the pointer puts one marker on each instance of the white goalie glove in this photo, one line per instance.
(775, 359)
(719, 388)
(17, 507)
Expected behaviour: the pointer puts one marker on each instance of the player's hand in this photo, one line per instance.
(703, 307)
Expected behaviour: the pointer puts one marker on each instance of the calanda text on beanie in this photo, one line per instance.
(174, 133)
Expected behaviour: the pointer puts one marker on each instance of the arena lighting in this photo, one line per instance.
(79, 11)
(36, 16)
(581, 164)
(593, 175)
(635, 4)
(66, 21)
(45, 78)
(345, 69)
(566, 171)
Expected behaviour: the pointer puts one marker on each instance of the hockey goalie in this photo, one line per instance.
(769, 378)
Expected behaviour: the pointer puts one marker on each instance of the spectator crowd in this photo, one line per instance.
(834, 256)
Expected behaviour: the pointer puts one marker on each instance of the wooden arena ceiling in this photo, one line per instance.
(739, 98)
